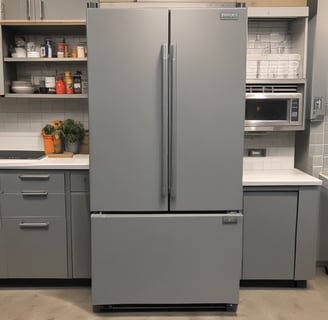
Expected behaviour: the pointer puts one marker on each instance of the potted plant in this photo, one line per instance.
(73, 133)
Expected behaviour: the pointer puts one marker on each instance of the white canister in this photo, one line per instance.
(80, 52)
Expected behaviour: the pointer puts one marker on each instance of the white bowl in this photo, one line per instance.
(26, 90)
(33, 54)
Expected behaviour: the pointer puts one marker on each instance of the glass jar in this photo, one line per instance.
(77, 82)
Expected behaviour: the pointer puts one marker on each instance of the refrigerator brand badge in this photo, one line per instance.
(229, 16)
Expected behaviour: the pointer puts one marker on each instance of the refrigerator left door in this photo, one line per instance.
(127, 65)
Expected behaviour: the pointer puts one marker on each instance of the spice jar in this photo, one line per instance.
(68, 83)
(60, 50)
(77, 82)
(74, 53)
(60, 86)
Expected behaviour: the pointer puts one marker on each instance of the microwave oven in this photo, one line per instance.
(274, 111)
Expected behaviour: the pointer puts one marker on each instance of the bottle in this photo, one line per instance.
(48, 49)
(68, 83)
(77, 82)
(60, 86)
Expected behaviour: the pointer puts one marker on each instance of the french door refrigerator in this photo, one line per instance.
(166, 113)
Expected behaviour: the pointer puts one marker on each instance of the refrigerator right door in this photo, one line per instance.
(208, 55)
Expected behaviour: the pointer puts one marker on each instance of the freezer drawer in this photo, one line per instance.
(166, 259)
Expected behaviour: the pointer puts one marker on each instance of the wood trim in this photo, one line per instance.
(43, 23)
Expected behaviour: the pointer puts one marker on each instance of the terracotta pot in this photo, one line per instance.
(48, 143)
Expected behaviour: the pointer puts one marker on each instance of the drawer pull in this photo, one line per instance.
(34, 225)
(34, 193)
(34, 176)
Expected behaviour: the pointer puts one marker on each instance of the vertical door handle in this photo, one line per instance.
(164, 120)
(173, 121)
(41, 10)
(28, 8)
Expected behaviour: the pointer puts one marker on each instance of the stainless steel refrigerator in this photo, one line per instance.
(166, 113)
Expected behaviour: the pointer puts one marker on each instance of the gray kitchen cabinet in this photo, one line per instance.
(269, 235)
(33, 213)
(32, 10)
(3, 260)
(80, 219)
(280, 233)
(36, 247)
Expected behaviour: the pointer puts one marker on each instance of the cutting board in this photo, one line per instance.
(61, 155)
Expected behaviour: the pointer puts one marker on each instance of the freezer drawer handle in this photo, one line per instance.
(164, 120)
(34, 193)
(32, 225)
(230, 220)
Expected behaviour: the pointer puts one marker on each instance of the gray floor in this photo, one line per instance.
(255, 304)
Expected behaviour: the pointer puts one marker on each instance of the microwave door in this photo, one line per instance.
(267, 111)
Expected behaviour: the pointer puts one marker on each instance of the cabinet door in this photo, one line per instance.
(19, 9)
(36, 248)
(81, 239)
(60, 9)
(269, 235)
(3, 263)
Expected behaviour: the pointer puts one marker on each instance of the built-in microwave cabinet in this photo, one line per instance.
(277, 44)
(31, 10)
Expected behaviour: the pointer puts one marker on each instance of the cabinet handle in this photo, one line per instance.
(41, 10)
(41, 225)
(34, 177)
(28, 7)
(34, 193)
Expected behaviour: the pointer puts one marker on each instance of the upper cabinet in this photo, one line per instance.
(277, 43)
(44, 10)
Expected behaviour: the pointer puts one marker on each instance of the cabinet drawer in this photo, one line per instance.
(12, 182)
(33, 204)
(36, 248)
(79, 181)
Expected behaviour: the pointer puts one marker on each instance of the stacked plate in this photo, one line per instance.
(22, 87)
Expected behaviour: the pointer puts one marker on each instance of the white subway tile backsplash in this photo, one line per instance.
(20, 118)
(279, 151)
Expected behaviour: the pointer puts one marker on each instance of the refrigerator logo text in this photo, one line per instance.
(229, 16)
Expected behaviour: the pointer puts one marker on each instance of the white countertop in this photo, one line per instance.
(78, 162)
(324, 177)
(290, 177)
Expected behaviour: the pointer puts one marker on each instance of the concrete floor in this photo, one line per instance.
(255, 304)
